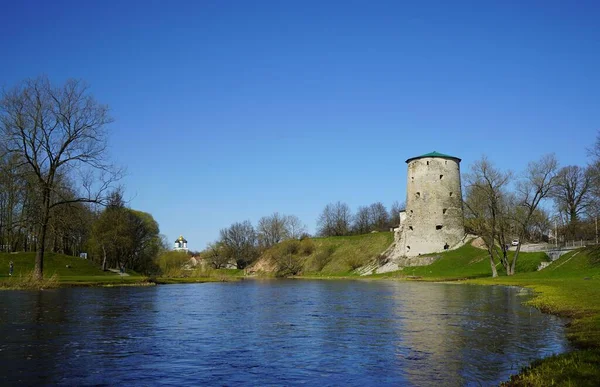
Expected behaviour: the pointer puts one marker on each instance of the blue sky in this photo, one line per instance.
(231, 110)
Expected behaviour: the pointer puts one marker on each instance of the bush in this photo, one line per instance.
(323, 257)
(290, 247)
(29, 281)
(307, 247)
(354, 261)
(171, 263)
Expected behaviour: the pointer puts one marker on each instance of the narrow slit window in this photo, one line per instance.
(428, 163)
(444, 210)
(441, 177)
(450, 194)
(446, 246)
(408, 248)
(418, 194)
(410, 228)
(438, 227)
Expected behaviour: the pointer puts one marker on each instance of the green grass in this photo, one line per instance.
(68, 270)
(345, 250)
(465, 262)
(569, 287)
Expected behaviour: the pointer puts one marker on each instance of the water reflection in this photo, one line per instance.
(272, 332)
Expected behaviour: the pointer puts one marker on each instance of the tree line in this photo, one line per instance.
(543, 203)
(241, 243)
(56, 179)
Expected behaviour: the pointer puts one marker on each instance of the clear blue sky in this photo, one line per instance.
(231, 110)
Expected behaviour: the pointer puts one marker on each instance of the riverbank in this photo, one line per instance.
(569, 287)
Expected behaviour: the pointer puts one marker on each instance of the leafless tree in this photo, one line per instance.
(240, 243)
(335, 220)
(216, 256)
(295, 227)
(272, 229)
(362, 220)
(486, 209)
(537, 183)
(572, 194)
(379, 216)
(57, 131)
(395, 213)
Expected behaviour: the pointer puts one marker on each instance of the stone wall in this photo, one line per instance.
(434, 214)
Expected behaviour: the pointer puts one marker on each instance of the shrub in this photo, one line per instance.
(307, 247)
(290, 247)
(29, 281)
(354, 261)
(323, 257)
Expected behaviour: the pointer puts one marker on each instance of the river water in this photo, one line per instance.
(275, 332)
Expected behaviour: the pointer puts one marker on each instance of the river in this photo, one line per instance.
(273, 332)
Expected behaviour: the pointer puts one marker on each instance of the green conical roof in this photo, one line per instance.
(434, 154)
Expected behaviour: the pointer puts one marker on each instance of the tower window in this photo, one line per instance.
(444, 210)
(412, 178)
(446, 246)
(428, 163)
(450, 194)
(418, 195)
(411, 211)
(410, 228)
(408, 248)
(441, 176)
(438, 227)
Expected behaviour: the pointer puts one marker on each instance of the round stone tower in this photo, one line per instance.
(434, 213)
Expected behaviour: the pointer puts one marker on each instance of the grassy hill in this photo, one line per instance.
(329, 256)
(67, 269)
(467, 262)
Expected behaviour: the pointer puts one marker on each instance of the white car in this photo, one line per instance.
(515, 242)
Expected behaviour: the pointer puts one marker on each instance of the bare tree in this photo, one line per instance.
(535, 186)
(362, 220)
(335, 220)
(216, 256)
(295, 227)
(272, 229)
(57, 131)
(240, 243)
(486, 211)
(572, 194)
(379, 216)
(395, 213)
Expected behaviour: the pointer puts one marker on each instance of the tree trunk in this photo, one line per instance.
(38, 270)
(494, 271)
(513, 265)
(104, 259)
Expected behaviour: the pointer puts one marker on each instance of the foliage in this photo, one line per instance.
(171, 263)
(122, 237)
(57, 134)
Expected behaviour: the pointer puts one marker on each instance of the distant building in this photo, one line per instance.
(180, 244)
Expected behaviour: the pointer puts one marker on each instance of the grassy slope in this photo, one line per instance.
(80, 272)
(339, 252)
(465, 262)
(362, 248)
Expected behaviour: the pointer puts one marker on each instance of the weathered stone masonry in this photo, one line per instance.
(433, 219)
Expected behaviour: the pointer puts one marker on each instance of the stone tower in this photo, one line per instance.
(433, 219)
